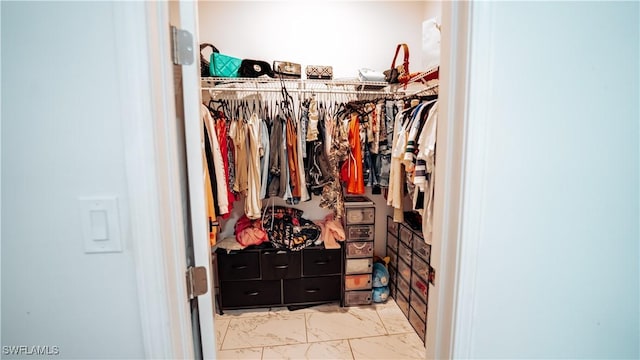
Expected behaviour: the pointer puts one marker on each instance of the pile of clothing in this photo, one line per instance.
(285, 228)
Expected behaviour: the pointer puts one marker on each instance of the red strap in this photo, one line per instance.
(405, 49)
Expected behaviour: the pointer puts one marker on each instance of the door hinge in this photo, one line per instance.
(196, 281)
(182, 46)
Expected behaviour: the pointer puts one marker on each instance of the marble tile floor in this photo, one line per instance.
(378, 331)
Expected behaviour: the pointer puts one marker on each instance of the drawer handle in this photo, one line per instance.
(359, 247)
(252, 293)
(239, 267)
(321, 262)
(281, 266)
(311, 291)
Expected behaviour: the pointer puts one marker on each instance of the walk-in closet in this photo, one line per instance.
(319, 173)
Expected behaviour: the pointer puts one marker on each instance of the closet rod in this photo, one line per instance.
(419, 92)
(311, 91)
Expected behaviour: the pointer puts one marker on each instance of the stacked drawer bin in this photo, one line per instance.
(409, 264)
(392, 253)
(358, 262)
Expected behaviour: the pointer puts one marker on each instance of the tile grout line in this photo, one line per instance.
(224, 335)
(353, 357)
(306, 329)
(382, 322)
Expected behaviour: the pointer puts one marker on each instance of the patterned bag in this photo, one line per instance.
(319, 72)
(287, 229)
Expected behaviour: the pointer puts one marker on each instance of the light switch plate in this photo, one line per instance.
(100, 224)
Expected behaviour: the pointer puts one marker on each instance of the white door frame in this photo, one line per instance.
(154, 231)
(450, 161)
(195, 169)
(465, 87)
(156, 199)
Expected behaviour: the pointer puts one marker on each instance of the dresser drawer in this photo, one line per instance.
(404, 270)
(359, 249)
(239, 265)
(402, 302)
(419, 306)
(360, 215)
(417, 323)
(250, 293)
(280, 265)
(321, 262)
(405, 234)
(404, 253)
(360, 232)
(420, 287)
(421, 248)
(403, 286)
(357, 282)
(392, 272)
(358, 266)
(392, 226)
(420, 267)
(357, 298)
(314, 289)
(393, 258)
(392, 242)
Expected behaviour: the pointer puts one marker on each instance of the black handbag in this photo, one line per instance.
(254, 68)
(204, 63)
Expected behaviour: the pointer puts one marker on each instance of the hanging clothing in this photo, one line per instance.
(264, 158)
(304, 192)
(332, 196)
(208, 172)
(318, 168)
(275, 153)
(426, 147)
(238, 133)
(292, 160)
(225, 149)
(396, 175)
(352, 169)
(426, 153)
(219, 181)
(211, 212)
(252, 203)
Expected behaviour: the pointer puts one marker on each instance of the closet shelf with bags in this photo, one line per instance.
(301, 86)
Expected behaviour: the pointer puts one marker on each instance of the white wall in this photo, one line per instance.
(61, 139)
(346, 35)
(557, 267)
(432, 9)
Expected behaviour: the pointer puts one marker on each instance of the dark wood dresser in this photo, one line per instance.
(264, 277)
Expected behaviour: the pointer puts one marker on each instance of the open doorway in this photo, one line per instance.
(199, 223)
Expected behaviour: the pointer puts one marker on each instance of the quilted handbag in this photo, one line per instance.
(285, 69)
(319, 72)
(224, 65)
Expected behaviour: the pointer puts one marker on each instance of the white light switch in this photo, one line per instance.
(100, 224)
